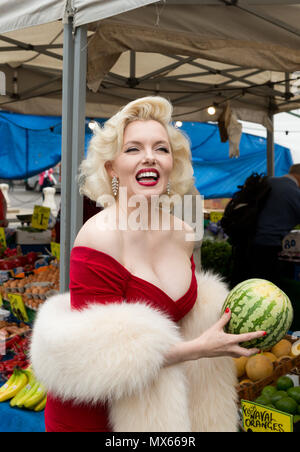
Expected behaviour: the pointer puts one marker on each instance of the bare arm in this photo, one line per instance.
(213, 342)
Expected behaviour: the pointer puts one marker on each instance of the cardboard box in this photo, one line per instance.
(33, 238)
(291, 242)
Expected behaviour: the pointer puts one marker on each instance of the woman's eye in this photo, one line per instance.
(132, 149)
(163, 149)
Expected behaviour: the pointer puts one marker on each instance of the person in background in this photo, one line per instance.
(281, 213)
(90, 208)
(47, 179)
(3, 210)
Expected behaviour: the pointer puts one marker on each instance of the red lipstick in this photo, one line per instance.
(147, 177)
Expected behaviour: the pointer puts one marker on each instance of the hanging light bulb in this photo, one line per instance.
(211, 110)
(92, 125)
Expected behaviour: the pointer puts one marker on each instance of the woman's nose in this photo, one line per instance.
(149, 156)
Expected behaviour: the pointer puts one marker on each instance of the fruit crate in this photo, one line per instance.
(286, 365)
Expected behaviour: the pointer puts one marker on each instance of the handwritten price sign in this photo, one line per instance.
(2, 238)
(215, 216)
(40, 217)
(55, 250)
(17, 307)
(258, 418)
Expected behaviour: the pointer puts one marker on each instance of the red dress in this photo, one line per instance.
(97, 277)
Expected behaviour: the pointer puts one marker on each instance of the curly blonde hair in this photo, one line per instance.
(107, 142)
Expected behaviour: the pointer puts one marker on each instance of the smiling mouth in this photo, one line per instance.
(147, 177)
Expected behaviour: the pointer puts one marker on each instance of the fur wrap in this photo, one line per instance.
(115, 353)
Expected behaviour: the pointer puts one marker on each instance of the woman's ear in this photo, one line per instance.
(109, 168)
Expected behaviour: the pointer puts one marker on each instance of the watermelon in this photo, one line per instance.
(259, 305)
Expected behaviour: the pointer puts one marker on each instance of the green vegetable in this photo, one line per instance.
(294, 393)
(277, 396)
(263, 400)
(268, 391)
(216, 256)
(287, 405)
(284, 383)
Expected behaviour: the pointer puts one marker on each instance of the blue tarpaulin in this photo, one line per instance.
(20, 420)
(217, 175)
(30, 144)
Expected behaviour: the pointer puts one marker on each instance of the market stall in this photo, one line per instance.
(29, 274)
(268, 390)
(275, 50)
(14, 338)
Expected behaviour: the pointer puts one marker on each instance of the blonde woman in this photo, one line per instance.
(138, 343)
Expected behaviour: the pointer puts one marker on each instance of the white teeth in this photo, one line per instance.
(147, 174)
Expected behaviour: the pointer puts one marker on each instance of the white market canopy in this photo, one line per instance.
(195, 52)
(21, 14)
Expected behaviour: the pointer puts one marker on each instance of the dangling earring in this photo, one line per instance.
(168, 188)
(115, 185)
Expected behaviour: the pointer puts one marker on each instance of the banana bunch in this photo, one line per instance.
(16, 382)
(24, 391)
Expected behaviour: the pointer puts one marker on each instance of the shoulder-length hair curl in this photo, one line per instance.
(107, 142)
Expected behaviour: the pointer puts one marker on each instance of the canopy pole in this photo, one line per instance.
(270, 147)
(78, 142)
(66, 155)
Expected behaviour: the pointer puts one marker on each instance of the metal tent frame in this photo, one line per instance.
(226, 82)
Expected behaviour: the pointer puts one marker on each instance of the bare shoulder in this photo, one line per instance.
(183, 233)
(98, 233)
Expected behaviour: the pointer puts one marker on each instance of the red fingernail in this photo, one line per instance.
(227, 310)
(265, 333)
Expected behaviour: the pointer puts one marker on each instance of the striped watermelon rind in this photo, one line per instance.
(259, 305)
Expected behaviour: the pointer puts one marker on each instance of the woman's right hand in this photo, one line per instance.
(214, 342)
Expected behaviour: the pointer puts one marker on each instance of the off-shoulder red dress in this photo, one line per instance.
(96, 277)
